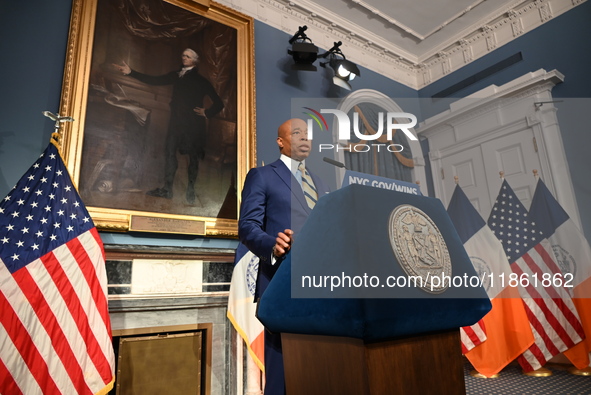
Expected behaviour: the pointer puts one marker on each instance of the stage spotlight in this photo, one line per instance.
(344, 70)
(303, 51)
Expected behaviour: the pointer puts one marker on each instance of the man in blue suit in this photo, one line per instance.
(276, 201)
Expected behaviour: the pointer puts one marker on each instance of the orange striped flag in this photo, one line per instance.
(241, 306)
(508, 333)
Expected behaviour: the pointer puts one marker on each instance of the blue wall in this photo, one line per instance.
(277, 85)
(563, 44)
(33, 49)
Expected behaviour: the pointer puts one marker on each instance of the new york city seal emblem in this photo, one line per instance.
(419, 247)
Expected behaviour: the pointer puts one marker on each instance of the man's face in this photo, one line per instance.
(187, 59)
(293, 141)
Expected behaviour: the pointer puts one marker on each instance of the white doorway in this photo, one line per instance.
(512, 128)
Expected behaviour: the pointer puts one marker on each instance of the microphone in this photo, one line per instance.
(334, 162)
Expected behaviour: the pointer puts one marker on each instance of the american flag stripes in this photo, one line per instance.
(472, 336)
(553, 317)
(55, 332)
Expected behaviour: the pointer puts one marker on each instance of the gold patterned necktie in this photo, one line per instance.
(310, 192)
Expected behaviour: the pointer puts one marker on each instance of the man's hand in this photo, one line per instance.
(283, 243)
(200, 111)
(124, 68)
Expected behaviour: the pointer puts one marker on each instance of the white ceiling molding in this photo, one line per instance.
(383, 56)
(395, 22)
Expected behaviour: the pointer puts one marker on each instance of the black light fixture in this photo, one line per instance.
(303, 51)
(344, 70)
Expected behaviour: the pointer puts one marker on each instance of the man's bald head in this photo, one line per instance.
(292, 139)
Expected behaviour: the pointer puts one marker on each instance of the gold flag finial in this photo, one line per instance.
(457, 180)
(502, 174)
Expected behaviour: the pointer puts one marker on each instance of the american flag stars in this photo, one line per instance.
(45, 205)
(510, 223)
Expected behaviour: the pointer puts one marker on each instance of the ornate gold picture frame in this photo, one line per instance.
(138, 164)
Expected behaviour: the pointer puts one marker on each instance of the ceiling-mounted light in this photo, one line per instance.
(303, 51)
(344, 70)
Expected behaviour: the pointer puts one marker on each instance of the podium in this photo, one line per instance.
(370, 298)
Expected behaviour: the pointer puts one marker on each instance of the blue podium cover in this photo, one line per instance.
(350, 270)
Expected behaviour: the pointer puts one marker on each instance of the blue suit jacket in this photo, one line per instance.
(269, 206)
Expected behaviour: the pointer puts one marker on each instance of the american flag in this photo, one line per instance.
(55, 332)
(552, 315)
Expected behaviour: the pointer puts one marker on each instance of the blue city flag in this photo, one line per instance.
(504, 333)
(463, 215)
(546, 211)
(242, 306)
